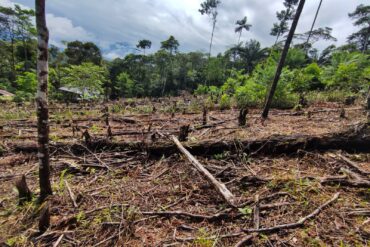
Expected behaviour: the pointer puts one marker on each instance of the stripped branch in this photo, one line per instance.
(297, 224)
(220, 187)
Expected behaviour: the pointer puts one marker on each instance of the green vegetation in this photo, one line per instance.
(240, 76)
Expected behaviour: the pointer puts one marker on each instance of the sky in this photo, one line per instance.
(117, 25)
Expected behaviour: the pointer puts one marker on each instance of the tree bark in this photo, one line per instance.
(42, 100)
(282, 59)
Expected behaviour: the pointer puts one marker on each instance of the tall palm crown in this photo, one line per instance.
(242, 25)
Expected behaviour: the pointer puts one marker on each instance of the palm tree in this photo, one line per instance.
(242, 25)
(249, 54)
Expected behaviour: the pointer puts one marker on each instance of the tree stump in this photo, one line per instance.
(109, 132)
(342, 113)
(87, 137)
(350, 100)
(106, 115)
(205, 115)
(302, 101)
(25, 195)
(44, 221)
(184, 133)
(242, 119)
(309, 115)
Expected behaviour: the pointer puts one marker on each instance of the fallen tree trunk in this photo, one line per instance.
(220, 187)
(354, 139)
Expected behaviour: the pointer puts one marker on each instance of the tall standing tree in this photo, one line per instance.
(242, 25)
(42, 101)
(144, 44)
(78, 53)
(282, 59)
(25, 30)
(209, 7)
(362, 19)
(171, 45)
(8, 27)
(284, 16)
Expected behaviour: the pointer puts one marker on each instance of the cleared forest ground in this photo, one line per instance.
(121, 195)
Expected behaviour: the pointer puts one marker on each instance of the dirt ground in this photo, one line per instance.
(127, 198)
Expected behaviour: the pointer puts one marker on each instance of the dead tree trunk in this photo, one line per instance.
(44, 221)
(42, 100)
(184, 132)
(282, 60)
(24, 192)
(242, 119)
(205, 115)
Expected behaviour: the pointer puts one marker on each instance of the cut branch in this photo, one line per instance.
(71, 195)
(297, 224)
(220, 187)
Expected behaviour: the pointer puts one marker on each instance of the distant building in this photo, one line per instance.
(6, 93)
(76, 94)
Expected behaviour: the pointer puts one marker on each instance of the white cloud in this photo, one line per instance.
(62, 29)
(111, 21)
(112, 55)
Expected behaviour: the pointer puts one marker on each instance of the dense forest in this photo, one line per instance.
(241, 75)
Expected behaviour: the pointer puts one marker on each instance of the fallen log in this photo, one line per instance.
(354, 139)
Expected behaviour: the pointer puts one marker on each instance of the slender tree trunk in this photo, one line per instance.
(240, 35)
(42, 100)
(213, 31)
(282, 59)
(313, 25)
(13, 74)
(366, 43)
(277, 38)
(25, 55)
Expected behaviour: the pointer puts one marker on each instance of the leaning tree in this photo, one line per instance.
(282, 60)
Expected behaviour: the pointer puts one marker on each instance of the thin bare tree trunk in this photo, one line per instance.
(313, 25)
(210, 45)
(282, 59)
(42, 100)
